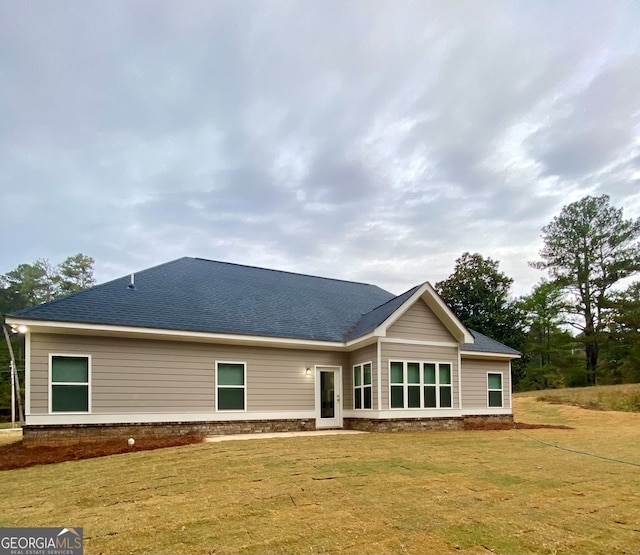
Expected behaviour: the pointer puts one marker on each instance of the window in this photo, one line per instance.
(231, 385)
(494, 387)
(70, 383)
(415, 385)
(362, 390)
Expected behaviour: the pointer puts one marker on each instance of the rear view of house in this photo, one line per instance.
(199, 345)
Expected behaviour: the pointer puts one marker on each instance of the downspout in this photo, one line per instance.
(15, 380)
(379, 363)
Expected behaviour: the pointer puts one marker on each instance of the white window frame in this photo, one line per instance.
(360, 388)
(244, 367)
(422, 385)
(501, 390)
(87, 383)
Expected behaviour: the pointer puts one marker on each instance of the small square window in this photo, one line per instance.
(429, 373)
(397, 372)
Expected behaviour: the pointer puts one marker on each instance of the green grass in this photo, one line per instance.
(430, 492)
(604, 397)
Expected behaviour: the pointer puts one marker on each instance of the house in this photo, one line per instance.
(214, 347)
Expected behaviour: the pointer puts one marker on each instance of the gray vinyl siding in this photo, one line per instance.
(418, 353)
(366, 354)
(136, 375)
(474, 382)
(419, 322)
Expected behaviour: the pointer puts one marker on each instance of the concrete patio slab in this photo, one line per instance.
(271, 435)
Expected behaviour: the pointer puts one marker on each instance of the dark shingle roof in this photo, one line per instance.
(193, 294)
(484, 344)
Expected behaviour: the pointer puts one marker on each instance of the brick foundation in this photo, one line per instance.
(76, 433)
(484, 422)
(400, 425)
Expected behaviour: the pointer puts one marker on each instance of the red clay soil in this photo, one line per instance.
(16, 455)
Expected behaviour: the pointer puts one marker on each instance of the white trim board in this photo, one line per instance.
(168, 417)
(42, 326)
(27, 373)
(482, 354)
(403, 414)
(419, 342)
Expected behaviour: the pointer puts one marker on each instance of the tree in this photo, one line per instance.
(30, 284)
(551, 361)
(478, 293)
(588, 248)
(74, 274)
(542, 312)
(624, 336)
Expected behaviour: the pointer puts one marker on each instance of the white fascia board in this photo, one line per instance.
(446, 315)
(428, 294)
(482, 354)
(362, 341)
(381, 330)
(178, 335)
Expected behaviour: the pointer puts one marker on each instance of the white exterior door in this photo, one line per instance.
(328, 397)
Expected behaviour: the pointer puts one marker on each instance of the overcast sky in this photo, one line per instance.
(369, 141)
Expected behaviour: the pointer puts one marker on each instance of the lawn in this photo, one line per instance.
(624, 397)
(429, 492)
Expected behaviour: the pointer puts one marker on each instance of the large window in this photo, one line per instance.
(362, 398)
(70, 383)
(231, 385)
(415, 385)
(494, 388)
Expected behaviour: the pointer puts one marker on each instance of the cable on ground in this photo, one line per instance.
(576, 450)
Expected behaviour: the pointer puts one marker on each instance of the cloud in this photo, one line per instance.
(590, 129)
(373, 141)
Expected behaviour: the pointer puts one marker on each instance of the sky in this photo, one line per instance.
(361, 140)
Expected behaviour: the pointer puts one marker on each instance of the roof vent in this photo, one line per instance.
(132, 285)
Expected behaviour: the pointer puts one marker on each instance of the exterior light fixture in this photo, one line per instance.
(308, 372)
(22, 329)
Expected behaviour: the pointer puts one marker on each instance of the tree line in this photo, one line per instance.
(580, 325)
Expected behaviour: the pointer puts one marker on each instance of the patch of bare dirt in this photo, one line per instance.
(17, 455)
(506, 426)
(524, 426)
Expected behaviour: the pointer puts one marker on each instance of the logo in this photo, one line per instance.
(41, 541)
